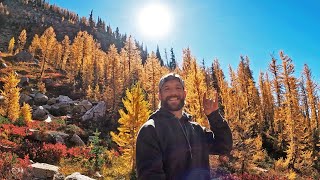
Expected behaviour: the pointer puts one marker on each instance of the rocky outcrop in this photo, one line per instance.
(96, 112)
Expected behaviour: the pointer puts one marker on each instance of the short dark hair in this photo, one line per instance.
(170, 76)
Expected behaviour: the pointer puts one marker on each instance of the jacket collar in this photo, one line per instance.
(164, 112)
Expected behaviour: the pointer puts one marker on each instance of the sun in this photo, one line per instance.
(154, 21)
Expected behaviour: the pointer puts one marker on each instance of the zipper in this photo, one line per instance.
(185, 133)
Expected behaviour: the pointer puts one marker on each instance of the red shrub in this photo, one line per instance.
(12, 167)
(79, 152)
(42, 152)
(52, 153)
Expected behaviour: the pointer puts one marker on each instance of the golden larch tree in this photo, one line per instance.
(26, 113)
(136, 112)
(299, 149)
(11, 95)
(21, 41)
(152, 72)
(11, 45)
(132, 60)
(196, 87)
(47, 44)
(76, 56)
(65, 51)
(114, 78)
(34, 47)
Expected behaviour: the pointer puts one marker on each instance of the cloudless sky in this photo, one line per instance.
(222, 29)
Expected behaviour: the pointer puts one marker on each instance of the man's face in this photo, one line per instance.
(172, 95)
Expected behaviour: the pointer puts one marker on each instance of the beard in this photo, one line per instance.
(173, 107)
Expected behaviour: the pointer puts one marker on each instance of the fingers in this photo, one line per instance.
(215, 93)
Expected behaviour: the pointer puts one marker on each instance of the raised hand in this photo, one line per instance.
(210, 105)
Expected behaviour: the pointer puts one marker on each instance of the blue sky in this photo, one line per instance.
(223, 29)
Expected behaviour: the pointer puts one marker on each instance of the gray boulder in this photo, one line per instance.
(24, 81)
(40, 114)
(78, 176)
(43, 171)
(40, 99)
(76, 140)
(61, 109)
(81, 107)
(62, 98)
(24, 98)
(96, 112)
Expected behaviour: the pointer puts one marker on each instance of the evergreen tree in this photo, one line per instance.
(159, 56)
(173, 63)
(135, 114)
(91, 21)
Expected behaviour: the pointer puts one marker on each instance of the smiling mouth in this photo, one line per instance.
(173, 99)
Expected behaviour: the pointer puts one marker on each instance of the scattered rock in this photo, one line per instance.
(52, 101)
(76, 140)
(43, 171)
(64, 99)
(96, 112)
(24, 81)
(3, 65)
(40, 99)
(78, 176)
(25, 99)
(82, 107)
(40, 114)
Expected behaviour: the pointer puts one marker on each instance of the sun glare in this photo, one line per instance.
(154, 21)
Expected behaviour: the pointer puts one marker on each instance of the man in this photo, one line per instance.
(170, 145)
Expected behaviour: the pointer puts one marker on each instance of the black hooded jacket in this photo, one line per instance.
(174, 149)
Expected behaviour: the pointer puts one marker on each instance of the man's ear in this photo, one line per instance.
(185, 93)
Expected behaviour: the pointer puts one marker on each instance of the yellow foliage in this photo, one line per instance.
(280, 164)
(89, 92)
(292, 175)
(42, 87)
(11, 95)
(137, 112)
(118, 167)
(26, 113)
(71, 165)
(11, 45)
(196, 87)
(96, 93)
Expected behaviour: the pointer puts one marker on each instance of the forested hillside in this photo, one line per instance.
(274, 119)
